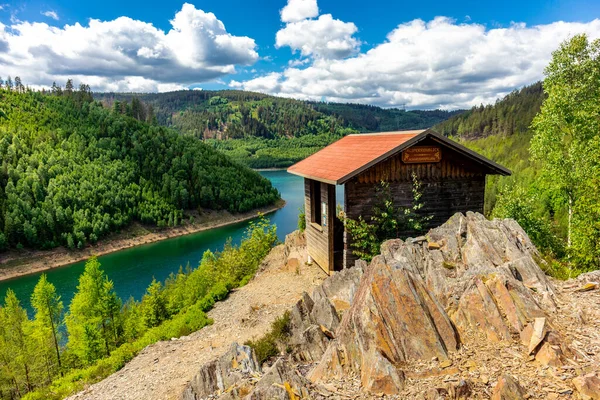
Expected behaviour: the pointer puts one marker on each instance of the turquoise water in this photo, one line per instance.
(132, 269)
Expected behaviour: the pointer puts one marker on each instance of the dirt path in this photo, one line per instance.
(14, 264)
(162, 370)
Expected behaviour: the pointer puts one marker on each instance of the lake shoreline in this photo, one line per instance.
(268, 169)
(16, 263)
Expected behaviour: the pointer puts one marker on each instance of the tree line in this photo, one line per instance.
(510, 115)
(62, 348)
(72, 171)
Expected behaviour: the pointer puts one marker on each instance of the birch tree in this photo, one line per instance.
(566, 131)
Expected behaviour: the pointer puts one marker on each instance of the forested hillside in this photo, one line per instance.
(367, 118)
(263, 131)
(73, 171)
(233, 114)
(510, 115)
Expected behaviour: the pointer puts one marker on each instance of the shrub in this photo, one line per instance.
(301, 219)
(267, 346)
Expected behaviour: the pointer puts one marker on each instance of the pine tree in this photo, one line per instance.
(93, 321)
(154, 305)
(69, 87)
(16, 327)
(19, 85)
(48, 312)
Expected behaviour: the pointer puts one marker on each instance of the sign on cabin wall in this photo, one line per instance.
(422, 154)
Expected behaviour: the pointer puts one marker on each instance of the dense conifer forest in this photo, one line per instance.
(511, 115)
(72, 170)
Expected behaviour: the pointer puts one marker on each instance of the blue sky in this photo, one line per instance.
(425, 54)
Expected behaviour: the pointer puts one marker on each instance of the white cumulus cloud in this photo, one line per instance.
(51, 14)
(432, 64)
(125, 54)
(324, 37)
(297, 10)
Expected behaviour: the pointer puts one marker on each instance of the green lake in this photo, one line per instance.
(132, 269)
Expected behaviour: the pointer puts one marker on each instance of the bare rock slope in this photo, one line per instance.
(464, 312)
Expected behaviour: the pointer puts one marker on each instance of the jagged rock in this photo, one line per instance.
(222, 374)
(307, 340)
(324, 313)
(552, 351)
(538, 333)
(593, 276)
(340, 287)
(393, 318)
(507, 388)
(588, 386)
(280, 382)
(313, 320)
(415, 300)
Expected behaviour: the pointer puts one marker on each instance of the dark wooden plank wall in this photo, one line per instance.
(455, 184)
(319, 239)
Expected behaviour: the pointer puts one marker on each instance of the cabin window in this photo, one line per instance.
(315, 203)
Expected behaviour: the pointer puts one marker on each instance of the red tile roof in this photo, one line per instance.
(352, 153)
(349, 156)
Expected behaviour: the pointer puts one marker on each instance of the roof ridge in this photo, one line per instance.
(406, 132)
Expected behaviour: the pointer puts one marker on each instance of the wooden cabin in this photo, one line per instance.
(452, 179)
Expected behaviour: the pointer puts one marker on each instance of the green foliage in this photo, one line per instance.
(268, 346)
(17, 357)
(566, 143)
(301, 219)
(72, 172)
(522, 207)
(48, 319)
(102, 335)
(511, 115)
(154, 305)
(365, 242)
(386, 222)
(93, 321)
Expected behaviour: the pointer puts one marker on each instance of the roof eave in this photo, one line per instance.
(314, 178)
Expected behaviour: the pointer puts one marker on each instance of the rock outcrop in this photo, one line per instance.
(417, 310)
(421, 298)
(226, 374)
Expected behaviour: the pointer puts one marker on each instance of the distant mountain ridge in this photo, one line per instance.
(239, 114)
(510, 115)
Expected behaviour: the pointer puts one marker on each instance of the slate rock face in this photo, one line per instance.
(470, 278)
(223, 374)
(314, 319)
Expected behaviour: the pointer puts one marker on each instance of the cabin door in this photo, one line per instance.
(338, 244)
